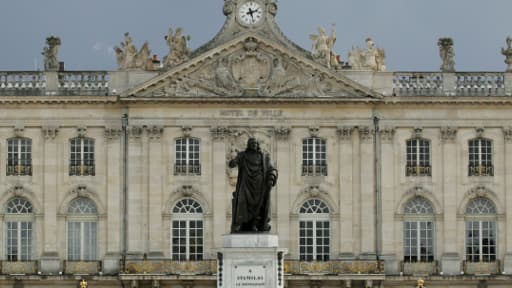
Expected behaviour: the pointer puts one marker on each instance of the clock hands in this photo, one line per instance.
(251, 12)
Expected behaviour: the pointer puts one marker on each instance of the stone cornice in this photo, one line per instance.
(16, 100)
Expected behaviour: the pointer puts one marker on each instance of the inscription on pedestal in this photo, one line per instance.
(249, 276)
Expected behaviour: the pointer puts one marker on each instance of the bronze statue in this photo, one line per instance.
(251, 199)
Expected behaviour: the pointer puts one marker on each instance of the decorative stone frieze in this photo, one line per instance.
(50, 132)
(135, 132)
(219, 132)
(81, 131)
(345, 133)
(387, 134)
(507, 133)
(155, 132)
(282, 133)
(366, 133)
(112, 133)
(448, 134)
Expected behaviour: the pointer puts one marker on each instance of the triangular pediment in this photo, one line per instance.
(249, 67)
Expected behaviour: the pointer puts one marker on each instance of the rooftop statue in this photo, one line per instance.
(322, 47)
(447, 54)
(128, 57)
(508, 54)
(373, 58)
(50, 53)
(251, 199)
(178, 50)
(420, 283)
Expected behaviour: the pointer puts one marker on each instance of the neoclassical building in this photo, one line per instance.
(120, 178)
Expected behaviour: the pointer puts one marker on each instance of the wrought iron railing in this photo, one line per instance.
(333, 267)
(481, 268)
(19, 170)
(314, 170)
(82, 170)
(19, 267)
(420, 268)
(164, 266)
(82, 267)
(193, 169)
(481, 170)
(418, 170)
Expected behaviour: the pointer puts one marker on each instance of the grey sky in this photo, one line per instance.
(407, 29)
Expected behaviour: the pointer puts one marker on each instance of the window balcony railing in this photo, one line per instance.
(82, 267)
(418, 170)
(297, 267)
(420, 268)
(164, 266)
(314, 170)
(19, 267)
(19, 170)
(481, 268)
(82, 170)
(180, 169)
(481, 170)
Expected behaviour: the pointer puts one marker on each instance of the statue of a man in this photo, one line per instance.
(251, 199)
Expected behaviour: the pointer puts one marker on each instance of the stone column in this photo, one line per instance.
(155, 195)
(450, 262)
(135, 207)
(356, 192)
(387, 192)
(114, 213)
(50, 262)
(367, 193)
(282, 189)
(507, 264)
(219, 208)
(345, 151)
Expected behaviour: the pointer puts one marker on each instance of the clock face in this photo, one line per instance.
(250, 13)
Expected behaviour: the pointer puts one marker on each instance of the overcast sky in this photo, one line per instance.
(407, 29)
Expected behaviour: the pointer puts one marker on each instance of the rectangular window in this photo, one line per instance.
(82, 241)
(418, 241)
(19, 241)
(481, 241)
(187, 157)
(19, 157)
(187, 240)
(82, 157)
(314, 157)
(314, 240)
(480, 158)
(418, 158)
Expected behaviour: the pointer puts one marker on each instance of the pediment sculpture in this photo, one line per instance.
(371, 58)
(178, 50)
(253, 71)
(323, 47)
(128, 57)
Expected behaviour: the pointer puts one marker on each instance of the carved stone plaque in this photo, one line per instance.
(249, 276)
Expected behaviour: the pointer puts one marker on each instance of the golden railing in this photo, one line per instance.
(420, 268)
(82, 267)
(19, 267)
(481, 268)
(481, 170)
(418, 170)
(333, 267)
(19, 170)
(204, 267)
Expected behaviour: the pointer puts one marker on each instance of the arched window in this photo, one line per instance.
(419, 232)
(81, 160)
(314, 231)
(187, 157)
(82, 229)
(187, 231)
(19, 156)
(314, 157)
(480, 157)
(19, 230)
(418, 157)
(481, 230)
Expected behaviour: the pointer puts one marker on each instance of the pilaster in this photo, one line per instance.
(345, 150)
(450, 264)
(114, 219)
(155, 193)
(50, 263)
(135, 208)
(367, 179)
(222, 196)
(282, 188)
(507, 263)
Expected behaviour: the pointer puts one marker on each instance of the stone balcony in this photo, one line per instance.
(396, 84)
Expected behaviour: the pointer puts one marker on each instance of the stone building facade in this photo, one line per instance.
(120, 178)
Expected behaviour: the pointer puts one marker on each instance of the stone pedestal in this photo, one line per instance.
(450, 264)
(507, 264)
(251, 260)
(50, 264)
(111, 263)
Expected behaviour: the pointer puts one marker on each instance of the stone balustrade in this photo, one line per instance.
(83, 83)
(480, 83)
(417, 83)
(22, 83)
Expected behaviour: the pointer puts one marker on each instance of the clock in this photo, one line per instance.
(250, 13)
